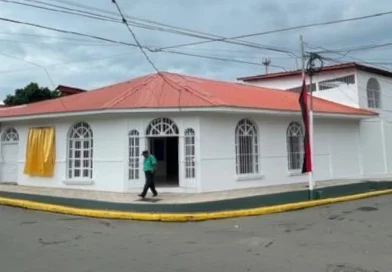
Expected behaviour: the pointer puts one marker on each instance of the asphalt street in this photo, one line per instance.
(348, 237)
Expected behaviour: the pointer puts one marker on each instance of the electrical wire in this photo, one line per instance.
(219, 58)
(285, 29)
(114, 41)
(69, 62)
(355, 49)
(67, 31)
(57, 44)
(46, 36)
(40, 66)
(149, 27)
(164, 78)
(66, 11)
(201, 34)
(346, 54)
(134, 36)
(31, 63)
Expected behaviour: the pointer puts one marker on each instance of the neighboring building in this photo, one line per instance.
(354, 85)
(207, 136)
(67, 90)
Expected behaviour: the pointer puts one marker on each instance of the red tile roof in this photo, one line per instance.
(341, 66)
(169, 90)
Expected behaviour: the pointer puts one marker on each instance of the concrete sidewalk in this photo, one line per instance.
(175, 198)
(191, 207)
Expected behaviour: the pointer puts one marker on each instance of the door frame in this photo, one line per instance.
(4, 161)
(148, 145)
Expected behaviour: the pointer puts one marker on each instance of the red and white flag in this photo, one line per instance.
(304, 104)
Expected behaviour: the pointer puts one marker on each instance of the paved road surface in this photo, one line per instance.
(353, 235)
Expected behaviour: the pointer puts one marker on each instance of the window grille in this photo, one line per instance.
(190, 169)
(134, 155)
(373, 94)
(295, 151)
(246, 145)
(80, 152)
(10, 136)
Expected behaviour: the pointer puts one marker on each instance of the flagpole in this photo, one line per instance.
(310, 173)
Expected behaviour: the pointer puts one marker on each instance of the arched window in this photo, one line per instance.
(134, 155)
(162, 126)
(80, 152)
(10, 135)
(190, 169)
(246, 146)
(373, 91)
(295, 150)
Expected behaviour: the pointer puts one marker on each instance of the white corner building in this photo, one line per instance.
(207, 135)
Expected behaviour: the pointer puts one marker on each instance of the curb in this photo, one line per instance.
(182, 217)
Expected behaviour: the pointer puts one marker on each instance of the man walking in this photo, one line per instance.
(149, 167)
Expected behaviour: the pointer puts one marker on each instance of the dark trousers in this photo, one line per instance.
(150, 183)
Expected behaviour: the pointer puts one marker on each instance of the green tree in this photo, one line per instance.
(29, 94)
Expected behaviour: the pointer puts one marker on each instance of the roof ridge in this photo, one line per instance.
(127, 93)
(202, 95)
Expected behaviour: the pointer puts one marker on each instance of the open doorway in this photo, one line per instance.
(165, 149)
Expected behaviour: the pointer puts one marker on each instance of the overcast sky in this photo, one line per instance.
(86, 63)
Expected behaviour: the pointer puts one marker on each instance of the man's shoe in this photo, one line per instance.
(141, 195)
(154, 195)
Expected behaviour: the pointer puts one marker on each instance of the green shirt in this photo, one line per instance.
(149, 163)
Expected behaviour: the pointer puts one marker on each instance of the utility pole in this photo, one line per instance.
(311, 69)
(310, 174)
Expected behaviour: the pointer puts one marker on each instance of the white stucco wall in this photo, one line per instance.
(343, 94)
(343, 149)
(386, 92)
(108, 165)
(376, 146)
(336, 152)
(110, 160)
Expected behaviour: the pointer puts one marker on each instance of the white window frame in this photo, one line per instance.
(373, 93)
(162, 126)
(295, 136)
(246, 130)
(134, 155)
(10, 136)
(78, 135)
(190, 153)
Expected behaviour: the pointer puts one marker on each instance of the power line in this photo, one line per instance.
(40, 66)
(344, 55)
(187, 30)
(57, 44)
(67, 31)
(219, 58)
(173, 30)
(284, 29)
(61, 11)
(32, 63)
(69, 62)
(167, 80)
(42, 36)
(110, 40)
(134, 36)
(359, 48)
(168, 51)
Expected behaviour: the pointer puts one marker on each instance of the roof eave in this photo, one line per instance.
(226, 109)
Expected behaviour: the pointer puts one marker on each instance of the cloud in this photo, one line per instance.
(87, 63)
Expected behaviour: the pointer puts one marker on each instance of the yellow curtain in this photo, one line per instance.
(40, 152)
